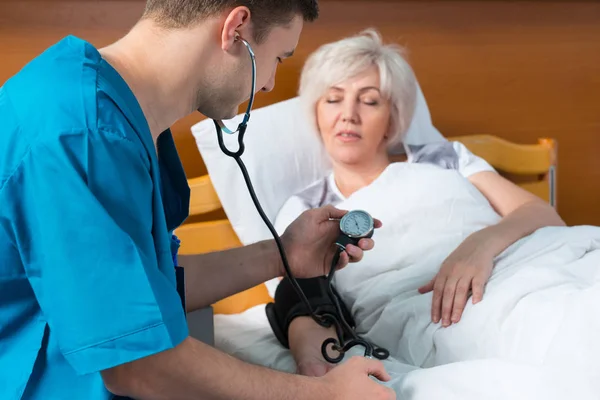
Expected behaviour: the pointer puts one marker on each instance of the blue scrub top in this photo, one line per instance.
(87, 207)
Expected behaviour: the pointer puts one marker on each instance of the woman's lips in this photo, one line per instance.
(348, 136)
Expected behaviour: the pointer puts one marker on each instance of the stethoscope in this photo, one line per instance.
(244, 124)
(326, 319)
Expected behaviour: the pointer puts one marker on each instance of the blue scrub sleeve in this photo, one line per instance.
(84, 226)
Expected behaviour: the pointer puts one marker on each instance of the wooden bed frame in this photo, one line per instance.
(531, 166)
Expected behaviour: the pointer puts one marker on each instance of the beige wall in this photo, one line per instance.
(520, 70)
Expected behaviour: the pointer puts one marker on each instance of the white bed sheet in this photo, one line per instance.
(248, 337)
(534, 335)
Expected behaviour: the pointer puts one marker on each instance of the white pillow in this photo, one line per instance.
(283, 155)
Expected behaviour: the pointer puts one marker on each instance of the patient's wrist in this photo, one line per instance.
(492, 240)
(305, 335)
(306, 338)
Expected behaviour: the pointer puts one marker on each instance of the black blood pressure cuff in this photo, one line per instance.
(287, 305)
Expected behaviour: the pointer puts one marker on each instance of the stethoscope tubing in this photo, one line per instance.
(326, 319)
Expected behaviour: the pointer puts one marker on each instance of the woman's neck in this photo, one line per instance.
(351, 178)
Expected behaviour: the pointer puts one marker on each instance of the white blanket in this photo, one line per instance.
(538, 323)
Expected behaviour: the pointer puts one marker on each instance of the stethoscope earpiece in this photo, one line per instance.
(242, 126)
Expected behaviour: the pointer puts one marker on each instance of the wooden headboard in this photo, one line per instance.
(519, 70)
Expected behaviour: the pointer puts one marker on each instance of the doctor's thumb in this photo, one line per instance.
(330, 212)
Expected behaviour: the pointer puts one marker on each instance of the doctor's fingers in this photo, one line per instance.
(342, 262)
(366, 244)
(355, 253)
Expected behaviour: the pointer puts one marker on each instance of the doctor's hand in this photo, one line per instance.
(466, 270)
(309, 243)
(352, 381)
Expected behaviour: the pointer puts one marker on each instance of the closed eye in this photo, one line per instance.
(370, 101)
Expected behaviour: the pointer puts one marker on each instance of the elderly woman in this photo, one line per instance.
(361, 96)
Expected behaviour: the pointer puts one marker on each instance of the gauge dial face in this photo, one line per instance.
(356, 223)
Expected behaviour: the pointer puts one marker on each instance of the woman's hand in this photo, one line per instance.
(469, 267)
(466, 270)
(305, 339)
(309, 242)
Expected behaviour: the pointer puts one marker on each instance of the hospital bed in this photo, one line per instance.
(531, 166)
(284, 155)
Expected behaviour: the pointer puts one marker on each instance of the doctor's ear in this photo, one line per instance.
(236, 25)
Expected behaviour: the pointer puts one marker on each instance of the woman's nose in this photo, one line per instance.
(349, 114)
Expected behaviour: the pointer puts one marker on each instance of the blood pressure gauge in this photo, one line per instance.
(355, 225)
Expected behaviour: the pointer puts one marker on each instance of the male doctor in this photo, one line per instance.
(91, 189)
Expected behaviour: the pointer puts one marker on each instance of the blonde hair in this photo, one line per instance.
(336, 62)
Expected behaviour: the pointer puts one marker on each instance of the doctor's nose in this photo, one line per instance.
(270, 85)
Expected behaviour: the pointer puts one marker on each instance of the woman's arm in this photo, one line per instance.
(305, 338)
(522, 212)
(297, 330)
(469, 267)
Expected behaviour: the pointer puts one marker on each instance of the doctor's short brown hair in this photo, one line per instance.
(266, 14)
